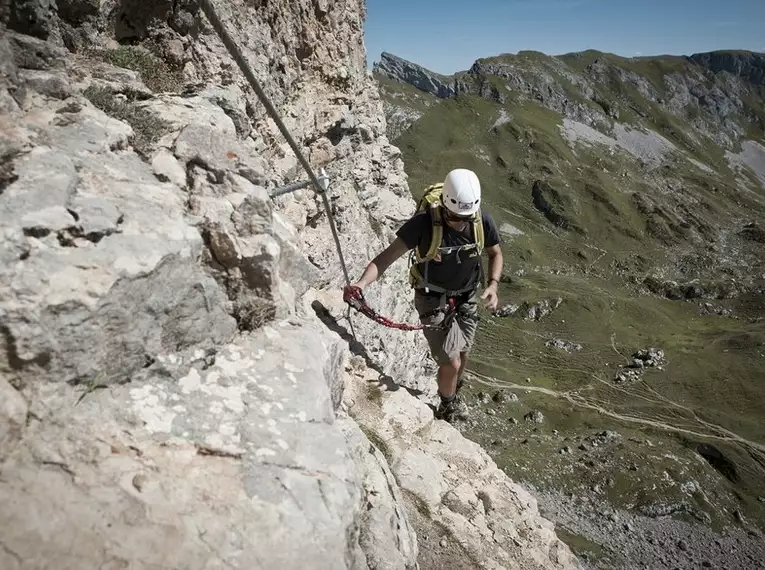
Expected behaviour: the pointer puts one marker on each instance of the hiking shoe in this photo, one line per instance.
(452, 411)
(460, 383)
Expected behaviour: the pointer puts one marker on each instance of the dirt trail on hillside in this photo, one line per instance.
(717, 432)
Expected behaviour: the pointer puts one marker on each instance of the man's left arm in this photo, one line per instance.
(495, 273)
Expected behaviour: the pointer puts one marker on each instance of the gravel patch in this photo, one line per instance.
(752, 155)
(503, 119)
(509, 230)
(647, 146)
(576, 132)
(700, 165)
(629, 541)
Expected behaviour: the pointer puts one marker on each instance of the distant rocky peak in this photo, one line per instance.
(405, 71)
(745, 64)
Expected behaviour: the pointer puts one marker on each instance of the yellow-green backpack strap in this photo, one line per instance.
(436, 235)
(478, 231)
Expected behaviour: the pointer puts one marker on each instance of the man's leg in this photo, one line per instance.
(467, 318)
(447, 378)
(461, 370)
(451, 406)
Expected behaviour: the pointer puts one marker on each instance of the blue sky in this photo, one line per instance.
(449, 35)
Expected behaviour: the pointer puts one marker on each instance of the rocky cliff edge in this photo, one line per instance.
(177, 384)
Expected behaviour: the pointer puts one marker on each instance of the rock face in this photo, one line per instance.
(191, 473)
(172, 366)
(98, 286)
(452, 482)
(32, 16)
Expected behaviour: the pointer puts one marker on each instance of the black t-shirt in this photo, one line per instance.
(455, 270)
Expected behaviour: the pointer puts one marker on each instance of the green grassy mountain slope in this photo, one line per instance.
(633, 190)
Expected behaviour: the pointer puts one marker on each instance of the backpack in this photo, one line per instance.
(431, 201)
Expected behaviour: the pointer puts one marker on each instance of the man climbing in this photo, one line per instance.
(446, 236)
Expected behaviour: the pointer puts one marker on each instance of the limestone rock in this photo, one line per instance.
(167, 168)
(232, 464)
(77, 11)
(13, 417)
(254, 253)
(751, 66)
(295, 270)
(33, 53)
(107, 278)
(234, 103)
(137, 20)
(119, 80)
(535, 417)
(224, 448)
(217, 152)
(51, 84)
(388, 540)
(8, 69)
(566, 345)
(182, 112)
(34, 17)
(495, 520)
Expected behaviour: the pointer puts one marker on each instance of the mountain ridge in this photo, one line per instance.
(696, 57)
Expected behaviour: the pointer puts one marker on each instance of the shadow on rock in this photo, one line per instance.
(358, 348)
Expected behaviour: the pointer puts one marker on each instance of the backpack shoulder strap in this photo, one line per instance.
(430, 196)
(478, 231)
(436, 235)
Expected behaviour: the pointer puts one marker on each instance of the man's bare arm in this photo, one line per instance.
(495, 273)
(380, 264)
(496, 262)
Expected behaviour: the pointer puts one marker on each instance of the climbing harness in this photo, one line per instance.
(355, 299)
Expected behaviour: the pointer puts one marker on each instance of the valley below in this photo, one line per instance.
(623, 378)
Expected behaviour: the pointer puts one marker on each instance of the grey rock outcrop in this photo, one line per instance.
(34, 17)
(493, 80)
(534, 312)
(112, 273)
(13, 417)
(94, 285)
(539, 84)
(138, 20)
(455, 484)
(566, 345)
(399, 119)
(192, 473)
(78, 11)
(748, 65)
(416, 75)
(386, 535)
(596, 93)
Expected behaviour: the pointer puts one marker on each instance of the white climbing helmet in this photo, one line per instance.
(462, 192)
